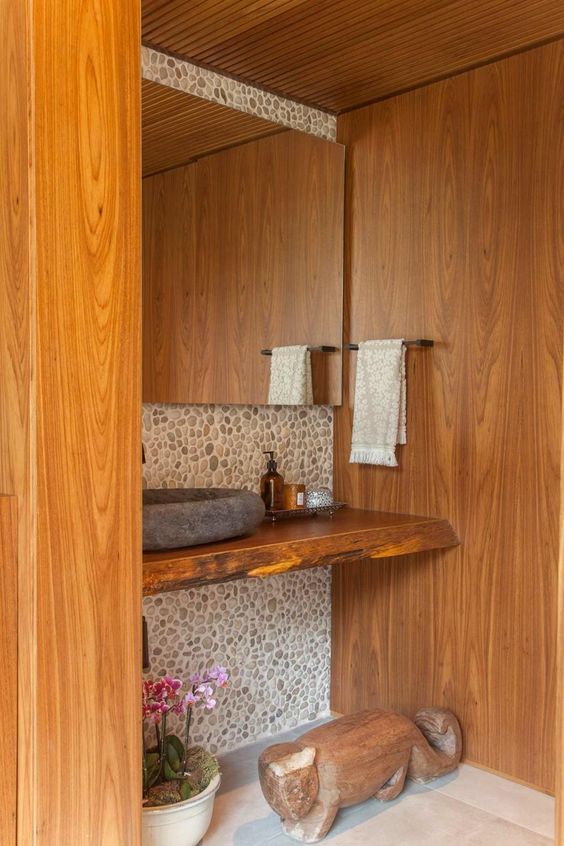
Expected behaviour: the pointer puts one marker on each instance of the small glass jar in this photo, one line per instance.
(294, 497)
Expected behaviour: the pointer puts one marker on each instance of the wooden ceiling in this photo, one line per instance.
(178, 127)
(339, 54)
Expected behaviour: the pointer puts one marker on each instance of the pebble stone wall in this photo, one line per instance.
(272, 634)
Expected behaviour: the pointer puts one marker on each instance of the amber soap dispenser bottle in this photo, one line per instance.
(272, 485)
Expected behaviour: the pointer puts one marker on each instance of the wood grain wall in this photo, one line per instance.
(242, 251)
(454, 223)
(560, 668)
(69, 412)
(87, 225)
(16, 402)
(9, 653)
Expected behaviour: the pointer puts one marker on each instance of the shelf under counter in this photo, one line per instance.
(296, 544)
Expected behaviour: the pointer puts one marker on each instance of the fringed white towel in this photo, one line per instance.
(379, 403)
(290, 376)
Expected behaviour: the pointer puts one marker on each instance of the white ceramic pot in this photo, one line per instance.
(182, 824)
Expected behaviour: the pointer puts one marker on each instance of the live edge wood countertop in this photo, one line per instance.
(296, 544)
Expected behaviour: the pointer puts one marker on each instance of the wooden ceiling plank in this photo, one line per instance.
(180, 11)
(201, 13)
(204, 127)
(356, 71)
(406, 33)
(281, 8)
(287, 44)
(210, 27)
(179, 127)
(176, 158)
(338, 54)
(392, 64)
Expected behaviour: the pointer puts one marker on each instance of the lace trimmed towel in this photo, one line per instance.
(290, 376)
(380, 403)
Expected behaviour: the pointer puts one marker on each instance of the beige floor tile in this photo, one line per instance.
(242, 818)
(513, 802)
(470, 808)
(425, 818)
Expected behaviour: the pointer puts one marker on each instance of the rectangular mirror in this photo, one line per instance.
(242, 251)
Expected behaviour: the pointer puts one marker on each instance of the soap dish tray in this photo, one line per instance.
(274, 514)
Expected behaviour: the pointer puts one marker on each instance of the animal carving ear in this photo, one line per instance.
(293, 762)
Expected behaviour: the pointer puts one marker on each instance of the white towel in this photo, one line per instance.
(380, 403)
(290, 376)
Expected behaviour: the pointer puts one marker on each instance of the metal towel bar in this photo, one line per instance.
(418, 342)
(323, 349)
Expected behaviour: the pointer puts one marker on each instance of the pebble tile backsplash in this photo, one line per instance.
(272, 634)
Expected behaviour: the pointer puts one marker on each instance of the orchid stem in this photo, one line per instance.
(186, 739)
(145, 773)
(162, 748)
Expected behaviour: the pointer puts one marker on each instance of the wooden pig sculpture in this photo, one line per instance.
(350, 759)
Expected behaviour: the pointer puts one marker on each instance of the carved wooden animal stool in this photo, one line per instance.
(350, 759)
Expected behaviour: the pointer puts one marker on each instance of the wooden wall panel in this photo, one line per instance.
(16, 389)
(69, 414)
(242, 251)
(454, 233)
(560, 669)
(339, 55)
(87, 229)
(9, 653)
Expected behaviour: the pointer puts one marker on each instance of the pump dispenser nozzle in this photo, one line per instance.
(271, 464)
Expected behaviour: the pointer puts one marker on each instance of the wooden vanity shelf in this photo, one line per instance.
(296, 545)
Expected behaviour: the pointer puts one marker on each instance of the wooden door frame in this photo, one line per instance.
(559, 840)
(8, 651)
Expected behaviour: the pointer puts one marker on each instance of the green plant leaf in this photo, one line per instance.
(185, 790)
(152, 763)
(172, 758)
(174, 743)
(168, 772)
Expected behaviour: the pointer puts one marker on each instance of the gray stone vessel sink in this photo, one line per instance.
(177, 517)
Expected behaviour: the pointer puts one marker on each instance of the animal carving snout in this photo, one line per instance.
(289, 777)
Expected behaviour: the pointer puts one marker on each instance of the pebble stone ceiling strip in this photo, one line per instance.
(184, 76)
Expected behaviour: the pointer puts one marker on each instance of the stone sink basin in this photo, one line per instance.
(177, 517)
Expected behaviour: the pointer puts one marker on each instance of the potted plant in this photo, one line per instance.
(179, 780)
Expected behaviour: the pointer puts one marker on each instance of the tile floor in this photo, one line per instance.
(466, 807)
